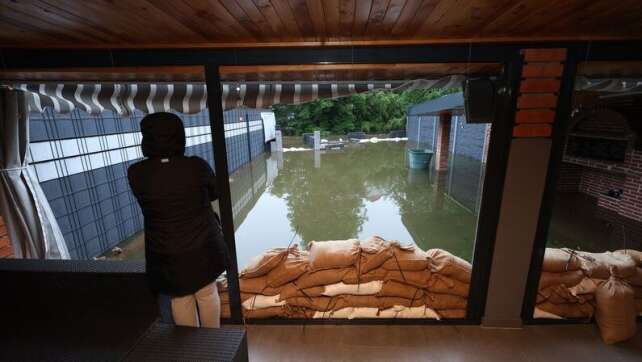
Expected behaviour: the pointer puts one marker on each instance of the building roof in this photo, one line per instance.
(435, 106)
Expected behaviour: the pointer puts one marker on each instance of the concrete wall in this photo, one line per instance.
(421, 131)
(468, 139)
(81, 161)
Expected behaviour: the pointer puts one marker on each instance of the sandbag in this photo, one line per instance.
(636, 278)
(390, 312)
(290, 269)
(333, 254)
(636, 255)
(418, 278)
(293, 312)
(226, 311)
(337, 314)
(392, 288)
(560, 260)
(447, 264)
(599, 265)
(268, 260)
(586, 286)
(264, 313)
(262, 301)
(570, 310)
(314, 303)
(569, 279)
(538, 314)
(374, 253)
(369, 288)
(291, 290)
(354, 301)
(257, 286)
(364, 312)
(452, 313)
(412, 312)
(638, 292)
(616, 312)
(442, 284)
(322, 277)
(445, 301)
(224, 297)
(559, 294)
(353, 278)
(406, 257)
(389, 302)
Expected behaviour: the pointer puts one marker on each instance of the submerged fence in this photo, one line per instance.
(81, 162)
(468, 145)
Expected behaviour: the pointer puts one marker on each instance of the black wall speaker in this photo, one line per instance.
(479, 100)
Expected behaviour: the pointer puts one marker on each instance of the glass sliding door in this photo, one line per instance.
(595, 231)
(364, 206)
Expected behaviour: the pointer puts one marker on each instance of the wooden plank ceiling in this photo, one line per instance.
(212, 23)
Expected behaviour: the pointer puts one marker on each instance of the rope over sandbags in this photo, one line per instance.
(577, 284)
(354, 279)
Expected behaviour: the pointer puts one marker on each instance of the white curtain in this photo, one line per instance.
(32, 227)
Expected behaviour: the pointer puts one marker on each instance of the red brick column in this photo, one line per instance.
(443, 142)
(6, 250)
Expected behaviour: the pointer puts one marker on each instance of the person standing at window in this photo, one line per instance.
(184, 247)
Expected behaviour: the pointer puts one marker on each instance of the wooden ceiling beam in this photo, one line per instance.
(321, 43)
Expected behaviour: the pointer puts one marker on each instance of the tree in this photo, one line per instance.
(372, 112)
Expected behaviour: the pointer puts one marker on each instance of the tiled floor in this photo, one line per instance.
(435, 343)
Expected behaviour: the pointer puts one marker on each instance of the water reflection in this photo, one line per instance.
(361, 190)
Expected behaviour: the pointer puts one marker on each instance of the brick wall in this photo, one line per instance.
(597, 177)
(6, 250)
(597, 182)
(631, 204)
(569, 178)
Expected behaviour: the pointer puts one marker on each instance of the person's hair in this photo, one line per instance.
(163, 135)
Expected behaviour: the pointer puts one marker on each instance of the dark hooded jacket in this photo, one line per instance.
(184, 246)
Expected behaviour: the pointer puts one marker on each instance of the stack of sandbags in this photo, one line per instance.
(387, 280)
(344, 280)
(570, 280)
(603, 265)
(635, 280)
(354, 279)
(262, 279)
(449, 284)
(561, 271)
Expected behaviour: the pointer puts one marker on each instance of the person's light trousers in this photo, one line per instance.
(204, 306)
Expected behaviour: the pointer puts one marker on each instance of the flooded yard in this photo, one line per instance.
(361, 190)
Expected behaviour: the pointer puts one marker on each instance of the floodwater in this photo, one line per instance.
(359, 191)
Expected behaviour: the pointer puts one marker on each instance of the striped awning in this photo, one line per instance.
(189, 98)
(608, 85)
